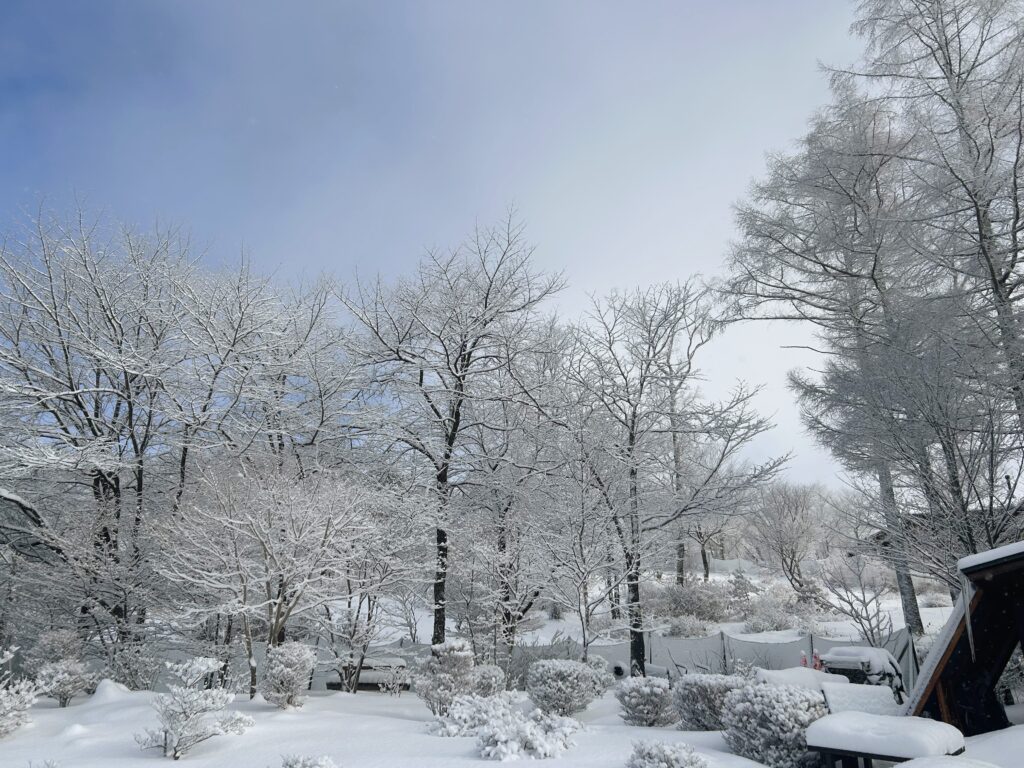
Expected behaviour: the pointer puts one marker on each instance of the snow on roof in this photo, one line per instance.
(972, 562)
(935, 655)
(888, 735)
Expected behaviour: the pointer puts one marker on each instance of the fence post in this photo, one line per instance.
(810, 656)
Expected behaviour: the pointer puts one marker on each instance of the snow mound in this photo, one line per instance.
(947, 762)
(108, 692)
(801, 677)
(905, 737)
(74, 731)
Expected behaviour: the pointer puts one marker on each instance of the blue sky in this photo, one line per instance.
(351, 136)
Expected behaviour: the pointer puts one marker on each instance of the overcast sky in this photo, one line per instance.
(340, 136)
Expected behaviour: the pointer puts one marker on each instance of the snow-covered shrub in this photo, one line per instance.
(771, 610)
(526, 655)
(16, 696)
(768, 723)
(55, 645)
(286, 679)
(560, 687)
(603, 678)
(935, 600)
(658, 754)
(446, 674)
(189, 713)
(700, 699)
(708, 601)
(741, 588)
(686, 626)
(487, 680)
(64, 679)
(534, 736)
(468, 713)
(302, 761)
(646, 701)
(393, 680)
(134, 667)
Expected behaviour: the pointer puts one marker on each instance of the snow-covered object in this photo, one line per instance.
(286, 679)
(603, 679)
(931, 662)
(971, 562)
(699, 699)
(516, 736)
(52, 646)
(16, 696)
(768, 723)
(189, 713)
(64, 679)
(446, 674)
(468, 713)
(892, 736)
(301, 761)
(856, 697)
(646, 701)
(879, 666)
(800, 677)
(487, 680)
(658, 754)
(946, 762)
(560, 687)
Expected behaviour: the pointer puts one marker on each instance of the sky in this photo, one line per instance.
(350, 137)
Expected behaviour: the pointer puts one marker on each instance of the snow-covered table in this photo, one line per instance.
(851, 739)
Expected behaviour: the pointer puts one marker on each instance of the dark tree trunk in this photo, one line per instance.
(681, 563)
(440, 583)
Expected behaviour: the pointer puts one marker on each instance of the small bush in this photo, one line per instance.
(646, 701)
(773, 609)
(935, 600)
(561, 687)
(700, 699)
(525, 655)
(534, 736)
(468, 713)
(446, 674)
(708, 601)
(286, 680)
(16, 696)
(658, 754)
(768, 723)
(302, 761)
(686, 626)
(393, 680)
(487, 680)
(603, 679)
(64, 679)
(190, 713)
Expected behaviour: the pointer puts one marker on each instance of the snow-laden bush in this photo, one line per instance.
(658, 754)
(768, 723)
(935, 600)
(393, 680)
(487, 680)
(771, 610)
(134, 667)
(561, 687)
(446, 674)
(516, 735)
(700, 699)
(646, 701)
(190, 713)
(302, 761)
(708, 601)
(468, 713)
(54, 645)
(64, 679)
(603, 679)
(16, 696)
(286, 678)
(686, 626)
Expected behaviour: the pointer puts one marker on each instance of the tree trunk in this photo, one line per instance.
(681, 563)
(637, 664)
(893, 521)
(705, 560)
(440, 582)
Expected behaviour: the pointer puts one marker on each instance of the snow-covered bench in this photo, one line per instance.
(852, 739)
(857, 697)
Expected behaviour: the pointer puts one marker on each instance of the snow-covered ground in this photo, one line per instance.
(365, 730)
